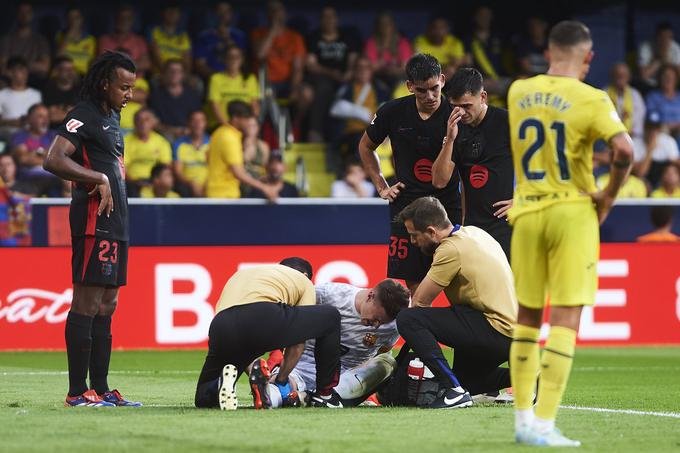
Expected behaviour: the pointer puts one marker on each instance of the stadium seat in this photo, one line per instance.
(312, 154)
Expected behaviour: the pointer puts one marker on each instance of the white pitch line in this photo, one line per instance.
(130, 372)
(623, 411)
(189, 372)
(624, 368)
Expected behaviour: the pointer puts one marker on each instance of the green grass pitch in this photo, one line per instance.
(643, 381)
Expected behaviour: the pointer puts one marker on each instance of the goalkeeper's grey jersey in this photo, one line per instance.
(358, 342)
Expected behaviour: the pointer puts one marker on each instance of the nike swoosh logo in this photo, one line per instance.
(334, 406)
(449, 402)
(106, 128)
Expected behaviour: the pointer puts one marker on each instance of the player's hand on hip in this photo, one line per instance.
(452, 124)
(503, 208)
(392, 192)
(603, 204)
(106, 200)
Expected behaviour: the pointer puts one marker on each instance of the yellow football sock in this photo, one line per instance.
(524, 358)
(558, 355)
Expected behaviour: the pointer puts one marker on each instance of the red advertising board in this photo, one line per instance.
(169, 300)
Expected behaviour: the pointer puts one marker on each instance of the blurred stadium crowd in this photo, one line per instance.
(272, 112)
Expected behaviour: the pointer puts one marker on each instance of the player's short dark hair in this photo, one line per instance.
(158, 169)
(299, 264)
(425, 212)
(569, 33)
(240, 109)
(104, 68)
(392, 297)
(465, 80)
(661, 216)
(422, 67)
(16, 62)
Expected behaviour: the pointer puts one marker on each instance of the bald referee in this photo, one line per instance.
(261, 309)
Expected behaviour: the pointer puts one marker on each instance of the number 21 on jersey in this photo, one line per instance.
(557, 128)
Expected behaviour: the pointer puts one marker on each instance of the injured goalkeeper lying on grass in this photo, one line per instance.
(368, 332)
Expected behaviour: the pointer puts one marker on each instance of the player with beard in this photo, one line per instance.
(477, 146)
(472, 270)
(416, 127)
(88, 151)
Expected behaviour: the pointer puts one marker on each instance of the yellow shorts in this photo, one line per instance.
(554, 255)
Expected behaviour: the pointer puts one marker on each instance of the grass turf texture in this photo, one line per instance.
(32, 417)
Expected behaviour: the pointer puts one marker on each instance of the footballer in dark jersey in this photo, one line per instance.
(88, 150)
(477, 147)
(416, 127)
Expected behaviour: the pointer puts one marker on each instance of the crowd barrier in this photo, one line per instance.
(304, 221)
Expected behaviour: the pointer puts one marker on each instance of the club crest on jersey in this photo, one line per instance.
(107, 269)
(370, 339)
(73, 124)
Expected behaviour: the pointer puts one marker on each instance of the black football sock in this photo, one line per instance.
(78, 345)
(101, 353)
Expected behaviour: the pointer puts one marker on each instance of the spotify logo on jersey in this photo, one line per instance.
(423, 170)
(479, 175)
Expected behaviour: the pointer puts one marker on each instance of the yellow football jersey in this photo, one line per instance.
(81, 51)
(554, 122)
(170, 45)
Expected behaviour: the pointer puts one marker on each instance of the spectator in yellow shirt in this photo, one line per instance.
(190, 155)
(225, 157)
(670, 183)
(634, 187)
(161, 183)
(233, 84)
(144, 148)
(76, 42)
(441, 44)
(168, 42)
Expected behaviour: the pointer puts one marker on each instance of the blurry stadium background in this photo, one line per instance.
(184, 249)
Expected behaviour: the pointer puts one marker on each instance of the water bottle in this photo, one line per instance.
(416, 369)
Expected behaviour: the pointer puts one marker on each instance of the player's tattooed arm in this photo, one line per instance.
(371, 163)
(59, 162)
(443, 166)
